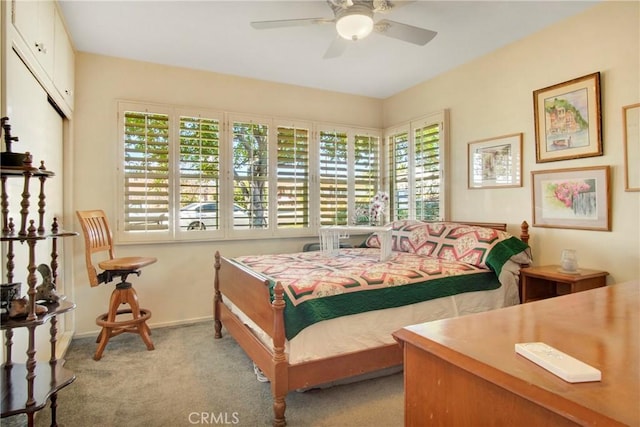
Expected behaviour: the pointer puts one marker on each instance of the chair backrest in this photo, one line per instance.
(97, 238)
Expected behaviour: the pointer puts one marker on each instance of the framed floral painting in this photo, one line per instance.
(572, 198)
(567, 120)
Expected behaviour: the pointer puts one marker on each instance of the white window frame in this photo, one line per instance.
(189, 235)
(351, 133)
(441, 118)
(226, 229)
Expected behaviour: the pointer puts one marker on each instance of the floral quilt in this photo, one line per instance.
(319, 286)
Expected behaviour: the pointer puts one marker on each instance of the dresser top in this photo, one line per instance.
(601, 327)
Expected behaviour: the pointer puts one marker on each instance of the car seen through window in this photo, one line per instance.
(204, 215)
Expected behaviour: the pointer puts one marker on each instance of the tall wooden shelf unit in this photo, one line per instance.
(27, 387)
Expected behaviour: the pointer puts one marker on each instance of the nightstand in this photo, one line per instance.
(547, 281)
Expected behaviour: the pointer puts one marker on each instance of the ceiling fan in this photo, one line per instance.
(354, 21)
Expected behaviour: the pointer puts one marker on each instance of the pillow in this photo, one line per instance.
(482, 247)
(401, 232)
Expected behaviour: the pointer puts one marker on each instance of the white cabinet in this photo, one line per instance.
(41, 40)
(34, 21)
(63, 61)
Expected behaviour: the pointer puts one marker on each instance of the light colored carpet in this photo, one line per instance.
(192, 379)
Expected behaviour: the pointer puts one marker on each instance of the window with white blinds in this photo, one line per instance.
(146, 138)
(250, 148)
(427, 171)
(334, 178)
(199, 178)
(366, 168)
(193, 174)
(293, 197)
(350, 174)
(400, 194)
(417, 159)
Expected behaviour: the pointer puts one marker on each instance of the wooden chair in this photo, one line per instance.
(98, 239)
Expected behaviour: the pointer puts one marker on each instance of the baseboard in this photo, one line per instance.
(63, 343)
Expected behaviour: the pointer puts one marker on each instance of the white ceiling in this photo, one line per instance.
(216, 36)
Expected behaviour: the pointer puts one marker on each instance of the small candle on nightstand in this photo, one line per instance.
(569, 260)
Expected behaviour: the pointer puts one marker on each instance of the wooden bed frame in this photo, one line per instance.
(249, 291)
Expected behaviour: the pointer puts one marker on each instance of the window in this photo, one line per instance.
(199, 178)
(292, 170)
(146, 170)
(349, 173)
(417, 159)
(250, 160)
(191, 174)
(334, 178)
(366, 169)
(170, 173)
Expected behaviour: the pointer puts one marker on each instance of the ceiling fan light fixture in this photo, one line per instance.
(355, 23)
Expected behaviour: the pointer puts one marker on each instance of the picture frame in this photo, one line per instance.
(577, 198)
(568, 122)
(495, 162)
(631, 138)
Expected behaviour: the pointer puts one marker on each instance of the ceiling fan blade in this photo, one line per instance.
(282, 23)
(336, 48)
(405, 32)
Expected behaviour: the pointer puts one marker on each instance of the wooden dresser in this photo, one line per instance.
(465, 372)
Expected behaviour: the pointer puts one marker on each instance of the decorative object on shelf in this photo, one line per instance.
(569, 261)
(631, 129)
(20, 308)
(377, 208)
(46, 291)
(10, 158)
(572, 198)
(567, 120)
(495, 162)
(8, 293)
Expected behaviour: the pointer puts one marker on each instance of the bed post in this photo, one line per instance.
(280, 382)
(524, 232)
(217, 299)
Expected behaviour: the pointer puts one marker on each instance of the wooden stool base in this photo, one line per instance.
(112, 327)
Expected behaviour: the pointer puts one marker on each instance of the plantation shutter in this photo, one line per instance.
(199, 148)
(366, 170)
(333, 178)
(292, 177)
(250, 173)
(400, 175)
(427, 172)
(146, 171)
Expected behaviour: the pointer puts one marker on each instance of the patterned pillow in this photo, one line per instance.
(453, 242)
(460, 242)
(401, 235)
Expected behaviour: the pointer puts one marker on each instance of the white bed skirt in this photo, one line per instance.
(374, 328)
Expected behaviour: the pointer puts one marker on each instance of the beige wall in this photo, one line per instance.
(180, 286)
(493, 96)
(489, 97)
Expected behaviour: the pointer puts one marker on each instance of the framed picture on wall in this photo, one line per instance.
(495, 162)
(572, 198)
(567, 120)
(631, 129)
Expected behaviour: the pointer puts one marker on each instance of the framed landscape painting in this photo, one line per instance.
(572, 198)
(495, 162)
(567, 120)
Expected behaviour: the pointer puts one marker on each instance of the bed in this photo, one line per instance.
(285, 310)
